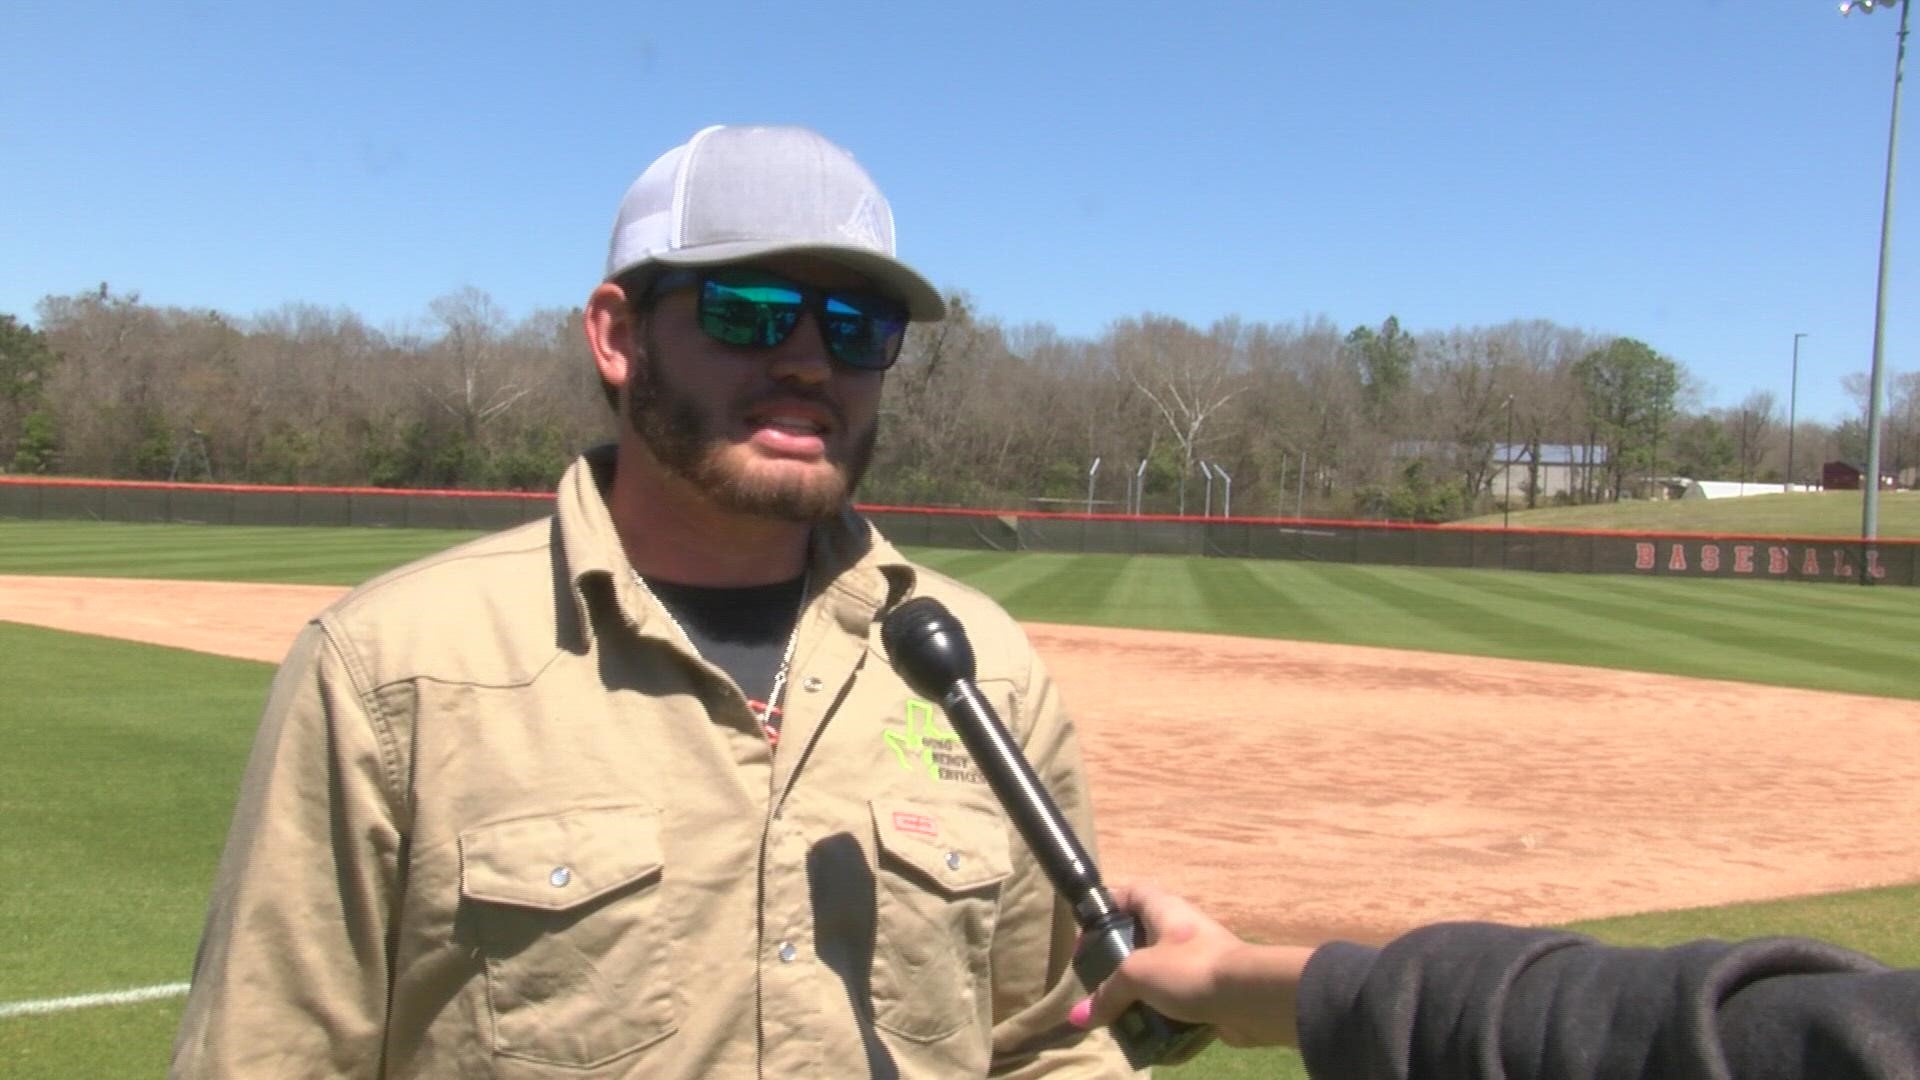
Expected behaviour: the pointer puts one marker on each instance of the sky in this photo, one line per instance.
(1703, 175)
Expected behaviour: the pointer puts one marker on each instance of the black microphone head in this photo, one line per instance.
(928, 646)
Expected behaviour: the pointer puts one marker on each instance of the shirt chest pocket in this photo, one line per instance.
(941, 868)
(567, 913)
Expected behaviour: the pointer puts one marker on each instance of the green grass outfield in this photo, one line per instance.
(1820, 636)
(122, 759)
(1803, 513)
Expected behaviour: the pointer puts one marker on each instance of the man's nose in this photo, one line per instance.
(803, 356)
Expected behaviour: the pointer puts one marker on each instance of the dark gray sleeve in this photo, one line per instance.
(1474, 1000)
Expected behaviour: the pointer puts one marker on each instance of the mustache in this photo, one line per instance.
(819, 399)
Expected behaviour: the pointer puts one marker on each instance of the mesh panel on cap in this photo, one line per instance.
(779, 184)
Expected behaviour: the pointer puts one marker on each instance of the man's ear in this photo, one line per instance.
(610, 330)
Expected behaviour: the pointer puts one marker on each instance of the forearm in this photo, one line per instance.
(1474, 1000)
(1253, 1001)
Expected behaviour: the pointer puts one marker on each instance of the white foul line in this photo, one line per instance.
(88, 1001)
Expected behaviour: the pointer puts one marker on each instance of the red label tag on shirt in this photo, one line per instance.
(917, 824)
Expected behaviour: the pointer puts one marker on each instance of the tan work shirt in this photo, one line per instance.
(501, 821)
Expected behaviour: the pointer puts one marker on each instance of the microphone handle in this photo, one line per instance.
(1027, 801)
(1108, 935)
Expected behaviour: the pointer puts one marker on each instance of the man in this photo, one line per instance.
(634, 792)
(1470, 1000)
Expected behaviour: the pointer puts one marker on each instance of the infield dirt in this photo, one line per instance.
(1301, 791)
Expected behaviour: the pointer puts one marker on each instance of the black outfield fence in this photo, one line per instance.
(235, 504)
(1794, 558)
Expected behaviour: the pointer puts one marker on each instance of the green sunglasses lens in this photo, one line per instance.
(759, 310)
(749, 312)
(863, 331)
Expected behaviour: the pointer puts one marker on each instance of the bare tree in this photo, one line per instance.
(944, 407)
(1066, 410)
(977, 413)
(1467, 379)
(1549, 404)
(1187, 376)
(106, 392)
(467, 372)
(1751, 424)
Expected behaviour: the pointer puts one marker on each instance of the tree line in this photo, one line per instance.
(1296, 417)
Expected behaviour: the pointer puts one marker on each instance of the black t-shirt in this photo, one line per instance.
(743, 631)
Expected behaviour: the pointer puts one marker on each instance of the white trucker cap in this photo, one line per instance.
(733, 193)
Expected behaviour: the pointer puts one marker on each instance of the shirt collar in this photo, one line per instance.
(850, 563)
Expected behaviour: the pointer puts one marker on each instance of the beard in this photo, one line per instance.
(681, 437)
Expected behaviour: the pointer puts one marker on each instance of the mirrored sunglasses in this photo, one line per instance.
(758, 309)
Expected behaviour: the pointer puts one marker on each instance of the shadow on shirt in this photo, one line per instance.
(842, 889)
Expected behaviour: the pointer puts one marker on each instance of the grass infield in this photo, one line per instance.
(119, 777)
(123, 759)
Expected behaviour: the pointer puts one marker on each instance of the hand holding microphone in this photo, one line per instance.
(1197, 970)
(930, 650)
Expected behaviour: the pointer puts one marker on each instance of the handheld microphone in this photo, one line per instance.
(930, 651)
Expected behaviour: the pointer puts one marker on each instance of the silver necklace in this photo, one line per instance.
(772, 705)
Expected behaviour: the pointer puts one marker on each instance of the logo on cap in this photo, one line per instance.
(866, 224)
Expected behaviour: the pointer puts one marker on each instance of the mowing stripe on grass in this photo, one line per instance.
(1753, 631)
(1240, 597)
(304, 554)
(1074, 584)
(91, 1001)
(1467, 619)
(995, 573)
(1783, 646)
(1156, 592)
(1615, 636)
(964, 565)
(1675, 614)
(1846, 610)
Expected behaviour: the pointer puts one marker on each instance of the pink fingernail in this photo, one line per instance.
(1081, 1013)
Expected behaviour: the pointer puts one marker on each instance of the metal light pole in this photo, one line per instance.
(1876, 382)
(1793, 394)
(1090, 474)
(1300, 499)
(1140, 488)
(1226, 502)
(1208, 473)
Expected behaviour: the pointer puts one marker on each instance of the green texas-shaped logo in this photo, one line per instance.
(922, 745)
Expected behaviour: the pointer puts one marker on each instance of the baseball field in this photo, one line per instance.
(1307, 749)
